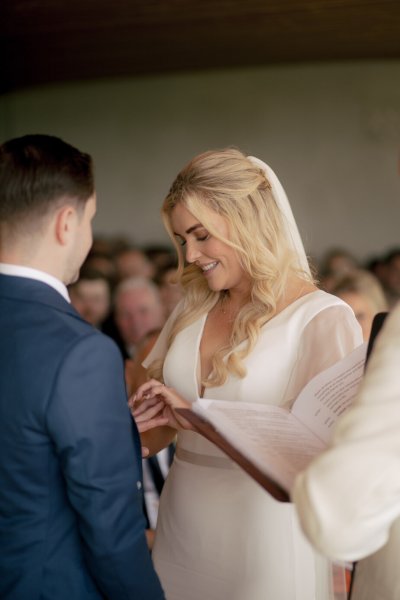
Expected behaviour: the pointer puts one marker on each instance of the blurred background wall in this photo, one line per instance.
(329, 128)
(331, 132)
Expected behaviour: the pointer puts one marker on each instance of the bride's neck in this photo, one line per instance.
(295, 289)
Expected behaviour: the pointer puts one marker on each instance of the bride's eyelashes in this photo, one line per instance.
(203, 238)
(199, 238)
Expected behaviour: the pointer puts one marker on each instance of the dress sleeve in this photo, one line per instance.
(349, 497)
(329, 336)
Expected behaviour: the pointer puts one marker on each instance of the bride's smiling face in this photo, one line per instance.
(218, 262)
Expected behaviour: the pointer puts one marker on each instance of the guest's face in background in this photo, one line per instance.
(170, 291)
(137, 312)
(363, 310)
(133, 263)
(218, 262)
(91, 298)
(393, 276)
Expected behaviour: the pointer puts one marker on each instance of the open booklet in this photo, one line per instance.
(271, 443)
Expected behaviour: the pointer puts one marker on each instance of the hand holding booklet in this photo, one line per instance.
(273, 444)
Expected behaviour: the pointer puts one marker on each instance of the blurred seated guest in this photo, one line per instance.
(392, 277)
(376, 266)
(363, 292)
(160, 255)
(91, 296)
(103, 245)
(133, 262)
(137, 311)
(171, 290)
(103, 262)
(336, 263)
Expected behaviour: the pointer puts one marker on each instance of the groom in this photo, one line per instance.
(71, 522)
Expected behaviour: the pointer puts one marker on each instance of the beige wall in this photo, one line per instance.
(330, 131)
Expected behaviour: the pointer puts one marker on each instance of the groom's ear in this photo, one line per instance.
(65, 223)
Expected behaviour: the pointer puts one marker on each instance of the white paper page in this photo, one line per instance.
(330, 394)
(275, 441)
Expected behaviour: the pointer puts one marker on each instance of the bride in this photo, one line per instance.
(252, 326)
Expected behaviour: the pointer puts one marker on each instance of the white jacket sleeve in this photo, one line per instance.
(348, 498)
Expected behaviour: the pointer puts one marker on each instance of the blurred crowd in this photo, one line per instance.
(128, 291)
(369, 288)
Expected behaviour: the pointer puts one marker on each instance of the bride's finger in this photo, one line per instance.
(171, 397)
(151, 393)
(141, 407)
(149, 413)
(156, 422)
(144, 388)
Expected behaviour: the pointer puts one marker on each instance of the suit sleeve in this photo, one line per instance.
(100, 456)
(349, 497)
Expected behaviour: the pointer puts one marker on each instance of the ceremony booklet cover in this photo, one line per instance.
(273, 444)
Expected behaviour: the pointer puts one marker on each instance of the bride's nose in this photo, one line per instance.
(192, 252)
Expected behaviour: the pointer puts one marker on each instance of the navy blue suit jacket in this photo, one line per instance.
(71, 519)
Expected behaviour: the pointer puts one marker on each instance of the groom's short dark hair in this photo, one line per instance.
(37, 172)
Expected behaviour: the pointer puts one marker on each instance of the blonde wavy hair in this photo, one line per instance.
(229, 184)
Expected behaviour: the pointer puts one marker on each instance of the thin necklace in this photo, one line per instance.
(231, 314)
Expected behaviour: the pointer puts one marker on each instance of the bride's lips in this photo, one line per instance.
(209, 267)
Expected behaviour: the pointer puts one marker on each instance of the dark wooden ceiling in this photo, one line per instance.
(47, 41)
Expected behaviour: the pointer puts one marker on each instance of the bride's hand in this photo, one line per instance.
(150, 413)
(153, 405)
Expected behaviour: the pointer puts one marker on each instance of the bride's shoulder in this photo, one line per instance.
(313, 303)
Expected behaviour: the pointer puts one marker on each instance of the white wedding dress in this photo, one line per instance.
(220, 536)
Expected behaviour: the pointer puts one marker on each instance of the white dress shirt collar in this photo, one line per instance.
(28, 272)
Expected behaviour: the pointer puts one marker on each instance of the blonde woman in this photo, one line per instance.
(364, 293)
(252, 326)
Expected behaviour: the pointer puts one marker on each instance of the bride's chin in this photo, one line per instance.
(215, 287)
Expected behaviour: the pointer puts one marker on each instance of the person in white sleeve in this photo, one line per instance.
(348, 499)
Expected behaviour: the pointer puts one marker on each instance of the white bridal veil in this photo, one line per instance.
(283, 203)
